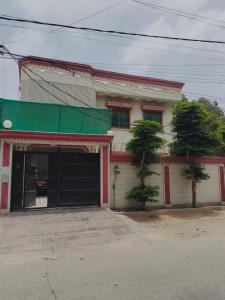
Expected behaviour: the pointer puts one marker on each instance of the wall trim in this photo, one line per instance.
(153, 108)
(30, 135)
(120, 105)
(122, 157)
(203, 160)
(34, 60)
(125, 157)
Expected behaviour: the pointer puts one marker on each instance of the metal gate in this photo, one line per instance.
(73, 180)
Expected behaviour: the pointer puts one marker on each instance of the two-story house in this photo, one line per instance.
(64, 144)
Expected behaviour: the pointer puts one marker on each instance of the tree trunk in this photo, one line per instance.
(142, 166)
(142, 205)
(193, 186)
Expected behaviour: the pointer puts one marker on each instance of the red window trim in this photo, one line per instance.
(123, 128)
(119, 105)
(152, 108)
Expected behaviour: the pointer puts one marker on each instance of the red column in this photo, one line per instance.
(166, 172)
(5, 185)
(222, 184)
(6, 155)
(105, 174)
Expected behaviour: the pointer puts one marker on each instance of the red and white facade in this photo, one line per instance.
(104, 89)
(26, 140)
(175, 189)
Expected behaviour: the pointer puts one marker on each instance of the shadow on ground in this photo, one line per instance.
(181, 213)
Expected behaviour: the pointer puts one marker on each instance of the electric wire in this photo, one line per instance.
(52, 94)
(167, 73)
(94, 14)
(39, 59)
(181, 13)
(142, 47)
(52, 24)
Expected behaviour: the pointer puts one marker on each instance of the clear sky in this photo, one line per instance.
(200, 66)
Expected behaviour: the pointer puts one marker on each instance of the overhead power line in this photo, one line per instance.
(95, 13)
(99, 12)
(182, 76)
(17, 56)
(56, 87)
(21, 20)
(187, 77)
(108, 64)
(72, 72)
(183, 14)
(170, 52)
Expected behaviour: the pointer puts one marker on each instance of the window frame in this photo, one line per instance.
(121, 109)
(146, 108)
(121, 106)
(152, 111)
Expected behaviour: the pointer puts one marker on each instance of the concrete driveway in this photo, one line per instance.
(98, 254)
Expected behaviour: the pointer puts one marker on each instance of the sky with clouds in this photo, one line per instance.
(200, 66)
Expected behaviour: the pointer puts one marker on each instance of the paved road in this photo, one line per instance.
(101, 255)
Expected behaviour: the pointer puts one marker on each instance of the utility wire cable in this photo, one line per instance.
(52, 94)
(186, 77)
(22, 20)
(181, 13)
(17, 56)
(94, 14)
(139, 47)
(65, 33)
(138, 64)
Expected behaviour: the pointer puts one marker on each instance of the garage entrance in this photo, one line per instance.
(55, 179)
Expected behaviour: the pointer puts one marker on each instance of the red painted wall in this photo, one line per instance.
(222, 184)
(4, 196)
(105, 174)
(167, 185)
(6, 155)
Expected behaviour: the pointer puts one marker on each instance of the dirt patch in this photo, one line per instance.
(143, 216)
(181, 213)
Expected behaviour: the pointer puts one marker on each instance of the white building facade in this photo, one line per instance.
(130, 98)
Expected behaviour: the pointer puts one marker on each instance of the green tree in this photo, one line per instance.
(144, 146)
(215, 121)
(193, 139)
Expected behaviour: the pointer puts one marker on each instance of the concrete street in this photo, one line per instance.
(99, 254)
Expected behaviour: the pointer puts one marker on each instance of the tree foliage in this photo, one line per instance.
(215, 122)
(194, 138)
(144, 146)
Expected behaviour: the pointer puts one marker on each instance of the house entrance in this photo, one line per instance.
(55, 179)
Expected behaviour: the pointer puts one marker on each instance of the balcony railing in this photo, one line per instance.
(44, 117)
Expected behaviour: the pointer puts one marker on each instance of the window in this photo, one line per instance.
(120, 118)
(153, 115)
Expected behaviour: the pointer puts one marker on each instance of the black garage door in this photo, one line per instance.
(73, 180)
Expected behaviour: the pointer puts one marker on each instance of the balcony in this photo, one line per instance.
(44, 117)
